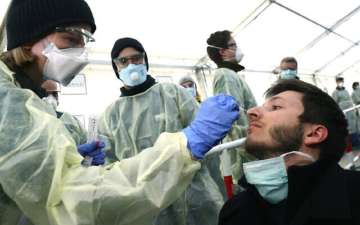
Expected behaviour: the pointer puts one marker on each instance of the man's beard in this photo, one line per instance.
(285, 139)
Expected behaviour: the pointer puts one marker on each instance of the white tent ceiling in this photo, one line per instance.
(323, 35)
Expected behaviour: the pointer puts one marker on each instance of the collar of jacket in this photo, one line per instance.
(311, 187)
(340, 88)
(138, 89)
(230, 65)
(309, 190)
(26, 83)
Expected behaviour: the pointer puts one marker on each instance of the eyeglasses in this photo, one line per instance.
(53, 93)
(76, 36)
(124, 61)
(232, 45)
(188, 85)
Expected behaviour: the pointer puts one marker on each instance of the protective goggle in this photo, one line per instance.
(53, 93)
(76, 36)
(124, 61)
(188, 84)
(228, 46)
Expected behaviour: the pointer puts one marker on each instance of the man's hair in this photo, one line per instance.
(218, 39)
(319, 108)
(339, 79)
(288, 60)
(355, 84)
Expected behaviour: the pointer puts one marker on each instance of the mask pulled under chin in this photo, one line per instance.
(62, 65)
(269, 176)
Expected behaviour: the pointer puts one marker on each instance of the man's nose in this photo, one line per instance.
(253, 113)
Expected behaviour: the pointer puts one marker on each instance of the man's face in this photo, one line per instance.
(128, 56)
(229, 53)
(274, 127)
(187, 84)
(63, 37)
(288, 66)
(51, 88)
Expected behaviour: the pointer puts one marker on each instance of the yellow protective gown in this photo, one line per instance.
(73, 125)
(133, 123)
(228, 82)
(343, 99)
(42, 179)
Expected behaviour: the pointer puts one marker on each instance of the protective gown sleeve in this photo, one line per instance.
(76, 130)
(40, 170)
(335, 96)
(188, 107)
(356, 97)
(228, 82)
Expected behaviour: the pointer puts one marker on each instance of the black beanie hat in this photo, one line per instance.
(31, 20)
(122, 43)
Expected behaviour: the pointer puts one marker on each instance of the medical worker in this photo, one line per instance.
(190, 86)
(144, 110)
(223, 50)
(343, 99)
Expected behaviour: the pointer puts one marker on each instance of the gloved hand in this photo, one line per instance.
(355, 140)
(94, 150)
(212, 122)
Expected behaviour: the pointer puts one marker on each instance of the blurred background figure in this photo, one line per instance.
(136, 119)
(189, 84)
(288, 68)
(356, 93)
(343, 99)
(223, 50)
(52, 93)
(71, 123)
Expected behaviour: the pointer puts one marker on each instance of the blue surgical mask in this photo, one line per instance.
(288, 74)
(340, 84)
(191, 90)
(269, 176)
(133, 75)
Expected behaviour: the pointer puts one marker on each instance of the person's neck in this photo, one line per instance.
(130, 91)
(34, 73)
(231, 65)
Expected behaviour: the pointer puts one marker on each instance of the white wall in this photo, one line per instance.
(102, 89)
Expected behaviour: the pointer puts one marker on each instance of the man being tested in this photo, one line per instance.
(299, 136)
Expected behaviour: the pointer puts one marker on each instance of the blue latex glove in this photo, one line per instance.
(355, 140)
(212, 122)
(93, 150)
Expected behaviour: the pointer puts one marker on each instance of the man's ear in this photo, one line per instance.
(314, 134)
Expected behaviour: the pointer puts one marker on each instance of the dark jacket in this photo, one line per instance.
(320, 193)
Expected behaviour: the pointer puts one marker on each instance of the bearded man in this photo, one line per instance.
(298, 135)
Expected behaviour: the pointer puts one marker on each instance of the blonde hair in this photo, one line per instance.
(17, 57)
